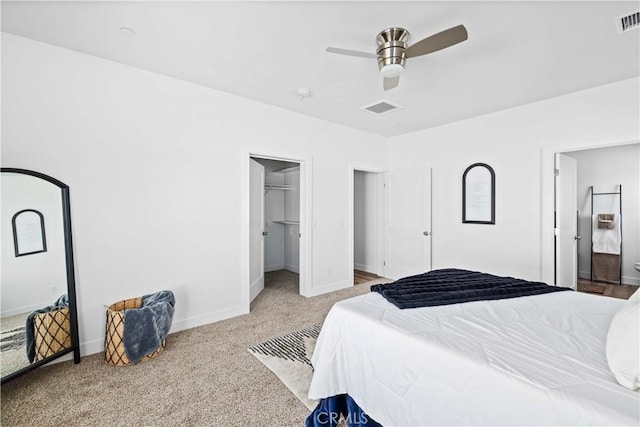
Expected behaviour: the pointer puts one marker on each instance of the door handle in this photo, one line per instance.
(426, 233)
(578, 237)
(264, 233)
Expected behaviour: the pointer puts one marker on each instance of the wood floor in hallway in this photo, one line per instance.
(360, 276)
(606, 289)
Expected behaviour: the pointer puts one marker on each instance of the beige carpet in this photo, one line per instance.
(205, 377)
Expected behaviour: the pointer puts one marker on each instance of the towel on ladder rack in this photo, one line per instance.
(606, 240)
(606, 221)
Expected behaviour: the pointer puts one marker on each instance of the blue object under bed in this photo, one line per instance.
(331, 409)
(453, 286)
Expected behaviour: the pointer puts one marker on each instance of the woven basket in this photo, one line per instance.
(114, 353)
(51, 332)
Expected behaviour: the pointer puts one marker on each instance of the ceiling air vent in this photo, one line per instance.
(381, 107)
(628, 22)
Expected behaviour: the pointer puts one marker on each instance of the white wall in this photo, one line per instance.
(365, 222)
(31, 282)
(518, 143)
(154, 166)
(605, 169)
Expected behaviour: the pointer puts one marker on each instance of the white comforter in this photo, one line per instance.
(536, 360)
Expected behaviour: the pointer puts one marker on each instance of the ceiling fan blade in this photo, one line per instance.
(390, 83)
(349, 52)
(441, 40)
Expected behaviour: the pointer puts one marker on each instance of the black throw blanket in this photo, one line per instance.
(453, 286)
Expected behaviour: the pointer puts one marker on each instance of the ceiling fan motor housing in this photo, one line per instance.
(392, 43)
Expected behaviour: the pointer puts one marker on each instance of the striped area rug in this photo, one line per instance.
(12, 339)
(288, 357)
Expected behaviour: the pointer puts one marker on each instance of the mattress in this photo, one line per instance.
(536, 360)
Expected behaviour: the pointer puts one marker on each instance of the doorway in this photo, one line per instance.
(597, 170)
(402, 209)
(276, 192)
(366, 226)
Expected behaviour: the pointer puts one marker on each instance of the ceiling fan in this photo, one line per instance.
(392, 51)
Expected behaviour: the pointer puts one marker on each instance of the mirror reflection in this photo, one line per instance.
(34, 305)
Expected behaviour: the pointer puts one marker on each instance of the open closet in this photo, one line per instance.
(281, 218)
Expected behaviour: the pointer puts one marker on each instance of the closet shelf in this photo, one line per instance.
(287, 222)
(278, 187)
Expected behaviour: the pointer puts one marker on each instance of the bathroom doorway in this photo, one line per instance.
(601, 169)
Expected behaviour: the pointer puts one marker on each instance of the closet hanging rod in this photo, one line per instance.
(278, 187)
(600, 194)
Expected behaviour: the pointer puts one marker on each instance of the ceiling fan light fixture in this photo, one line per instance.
(391, 71)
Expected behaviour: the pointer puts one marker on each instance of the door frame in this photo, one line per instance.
(351, 168)
(306, 220)
(547, 255)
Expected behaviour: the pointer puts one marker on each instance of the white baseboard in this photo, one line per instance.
(366, 268)
(92, 347)
(205, 319)
(274, 267)
(627, 280)
(97, 346)
(28, 308)
(331, 287)
(293, 268)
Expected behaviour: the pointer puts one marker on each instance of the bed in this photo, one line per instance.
(532, 360)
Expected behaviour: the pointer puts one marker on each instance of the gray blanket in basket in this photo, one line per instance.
(146, 327)
(29, 339)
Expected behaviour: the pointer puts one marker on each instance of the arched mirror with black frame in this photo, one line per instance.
(38, 313)
(478, 194)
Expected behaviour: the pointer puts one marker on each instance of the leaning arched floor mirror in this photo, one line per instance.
(38, 315)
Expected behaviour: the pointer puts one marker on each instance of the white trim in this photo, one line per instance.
(292, 268)
(331, 287)
(306, 217)
(547, 191)
(584, 275)
(273, 267)
(366, 268)
(626, 280)
(97, 346)
(28, 308)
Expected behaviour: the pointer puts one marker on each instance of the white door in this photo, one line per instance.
(408, 222)
(256, 228)
(566, 221)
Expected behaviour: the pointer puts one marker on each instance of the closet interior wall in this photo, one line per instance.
(282, 218)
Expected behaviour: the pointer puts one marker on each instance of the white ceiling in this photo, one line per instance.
(517, 52)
